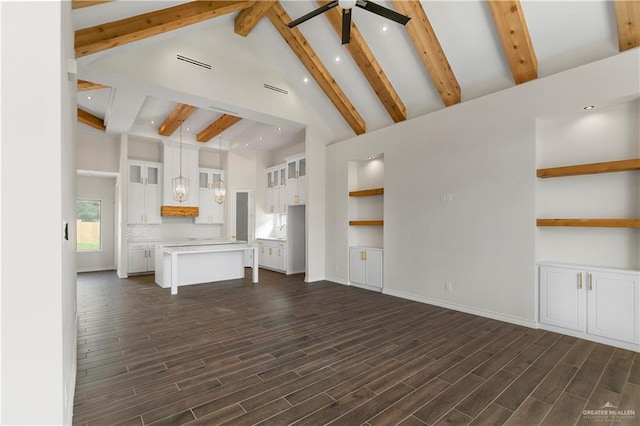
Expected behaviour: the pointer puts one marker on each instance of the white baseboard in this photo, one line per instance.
(313, 279)
(337, 280)
(97, 269)
(463, 308)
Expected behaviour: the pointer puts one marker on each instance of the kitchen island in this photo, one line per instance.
(196, 263)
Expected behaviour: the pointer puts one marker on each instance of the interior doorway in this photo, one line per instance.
(242, 226)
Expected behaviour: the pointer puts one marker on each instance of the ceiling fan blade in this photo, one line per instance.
(346, 26)
(313, 13)
(383, 11)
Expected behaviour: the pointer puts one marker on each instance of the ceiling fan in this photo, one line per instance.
(346, 6)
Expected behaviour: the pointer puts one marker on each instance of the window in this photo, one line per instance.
(88, 225)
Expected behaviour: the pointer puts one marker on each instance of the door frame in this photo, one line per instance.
(250, 218)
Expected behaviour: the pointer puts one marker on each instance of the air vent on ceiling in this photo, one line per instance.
(276, 89)
(192, 61)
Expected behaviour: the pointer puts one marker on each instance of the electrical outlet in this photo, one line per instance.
(448, 285)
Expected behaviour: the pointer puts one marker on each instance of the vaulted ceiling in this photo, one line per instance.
(449, 52)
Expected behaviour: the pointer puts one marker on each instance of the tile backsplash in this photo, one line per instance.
(173, 228)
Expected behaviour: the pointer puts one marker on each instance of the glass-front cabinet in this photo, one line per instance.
(296, 180)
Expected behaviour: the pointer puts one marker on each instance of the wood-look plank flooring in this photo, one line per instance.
(283, 352)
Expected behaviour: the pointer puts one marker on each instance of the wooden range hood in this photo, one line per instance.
(179, 211)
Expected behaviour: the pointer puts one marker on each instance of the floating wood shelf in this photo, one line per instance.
(366, 223)
(367, 192)
(591, 223)
(593, 168)
(179, 211)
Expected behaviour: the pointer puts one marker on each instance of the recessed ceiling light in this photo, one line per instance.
(279, 129)
(259, 138)
(306, 79)
(187, 129)
(370, 158)
(589, 107)
(385, 28)
(89, 97)
(337, 58)
(152, 122)
(246, 144)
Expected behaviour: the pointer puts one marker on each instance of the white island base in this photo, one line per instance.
(197, 264)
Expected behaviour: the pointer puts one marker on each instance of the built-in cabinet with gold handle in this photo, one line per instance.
(272, 254)
(366, 267)
(594, 303)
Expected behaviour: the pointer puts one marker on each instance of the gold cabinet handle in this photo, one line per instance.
(590, 281)
(580, 280)
(270, 250)
(365, 255)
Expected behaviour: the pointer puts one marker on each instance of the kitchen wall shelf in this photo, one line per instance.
(591, 223)
(367, 192)
(366, 223)
(593, 168)
(590, 169)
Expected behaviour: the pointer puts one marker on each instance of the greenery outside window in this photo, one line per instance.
(88, 225)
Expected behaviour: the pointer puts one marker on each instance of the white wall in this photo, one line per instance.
(38, 265)
(102, 189)
(606, 133)
(97, 151)
(483, 152)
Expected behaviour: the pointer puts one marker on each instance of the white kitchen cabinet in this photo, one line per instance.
(210, 212)
(365, 267)
(272, 255)
(144, 192)
(171, 162)
(593, 303)
(296, 192)
(141, 258)
(275, 192)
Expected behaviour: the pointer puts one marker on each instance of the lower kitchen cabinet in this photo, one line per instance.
(365, 267)
(272, 255)
(597, 304)
(141, 258)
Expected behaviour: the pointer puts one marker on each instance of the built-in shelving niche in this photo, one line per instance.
(366, 202)
(588, 169)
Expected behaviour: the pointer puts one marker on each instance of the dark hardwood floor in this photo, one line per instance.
(283, 352)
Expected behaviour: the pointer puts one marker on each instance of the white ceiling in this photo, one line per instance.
(565, 34)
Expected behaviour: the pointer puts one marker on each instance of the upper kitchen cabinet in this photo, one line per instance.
(296, 180)
(210, 212)
(144, 191)
(276, 196)
(171, 161)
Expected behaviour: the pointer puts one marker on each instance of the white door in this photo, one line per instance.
(562, 297)
(613, 300)
(356, 265)
(373, 266)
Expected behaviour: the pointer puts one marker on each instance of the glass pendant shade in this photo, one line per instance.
(180, 188)
(180, 183)
(219, 191)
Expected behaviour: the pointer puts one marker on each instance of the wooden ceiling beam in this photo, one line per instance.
(84, 85)
(516, 42)
(248, 18)
(91, 120)
(299, 45)
(217, 127)
(430, 51)
(112, 34)
(628, 23)
(369, 66)
(79, 4)
(179, 114)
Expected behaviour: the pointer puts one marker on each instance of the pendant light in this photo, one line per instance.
(180, 183)
(219, 190)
